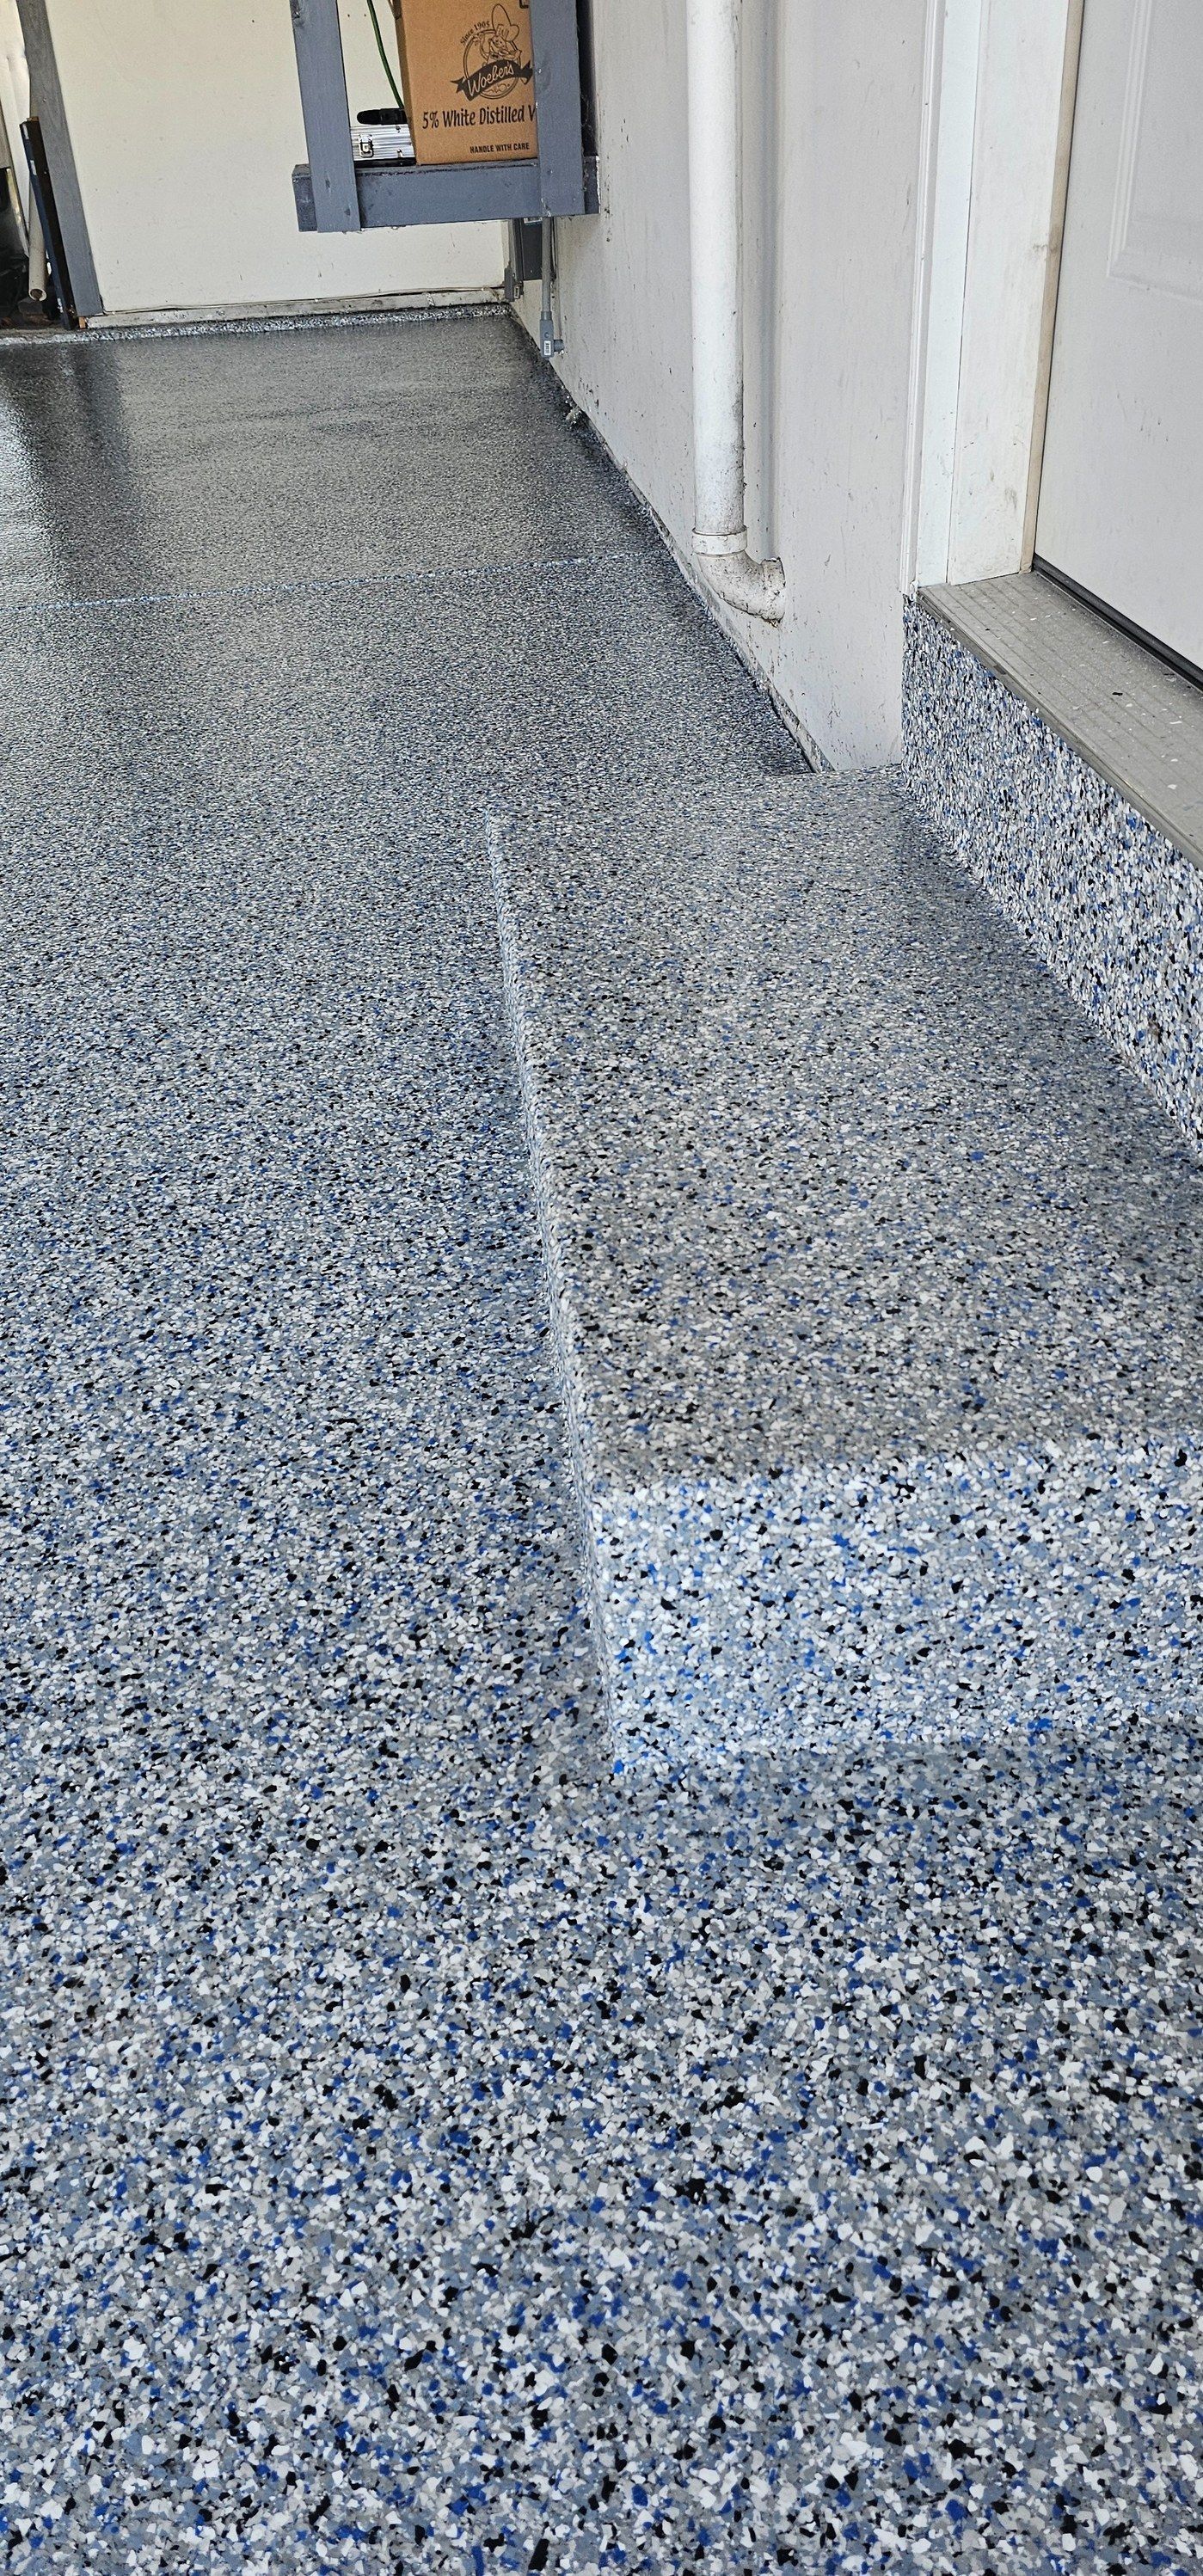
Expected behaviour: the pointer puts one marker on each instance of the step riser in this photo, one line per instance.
(961, 1599)
(948, 1213)
(1113, 908)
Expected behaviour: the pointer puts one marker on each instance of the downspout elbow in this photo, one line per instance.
(716, 279)
(739, 579)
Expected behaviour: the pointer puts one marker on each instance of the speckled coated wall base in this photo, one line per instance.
(874, 1280)
(1111, 905)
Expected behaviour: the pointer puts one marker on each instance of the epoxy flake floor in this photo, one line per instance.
(425, 2150)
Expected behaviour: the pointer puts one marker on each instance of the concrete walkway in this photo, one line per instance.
(427, 2149)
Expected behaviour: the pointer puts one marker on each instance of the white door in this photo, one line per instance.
(1121, 496)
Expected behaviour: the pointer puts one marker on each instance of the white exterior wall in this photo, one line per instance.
(902, 166)
(186, 125)
(833, 100)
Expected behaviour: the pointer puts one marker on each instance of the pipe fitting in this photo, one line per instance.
(741, 580)
(716, 284)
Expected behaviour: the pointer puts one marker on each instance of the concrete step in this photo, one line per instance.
(875, 1284)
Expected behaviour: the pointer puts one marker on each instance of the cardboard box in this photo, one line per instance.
(468, 78)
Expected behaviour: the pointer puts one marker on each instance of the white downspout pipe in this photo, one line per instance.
(715, 226)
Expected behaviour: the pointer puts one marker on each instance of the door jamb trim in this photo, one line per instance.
(1052, 282)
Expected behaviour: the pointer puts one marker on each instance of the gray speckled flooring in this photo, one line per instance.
(156, 465)
(424, 2150)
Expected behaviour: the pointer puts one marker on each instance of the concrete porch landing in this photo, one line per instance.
(876, 1285)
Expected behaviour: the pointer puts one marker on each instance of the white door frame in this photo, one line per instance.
(999, 82)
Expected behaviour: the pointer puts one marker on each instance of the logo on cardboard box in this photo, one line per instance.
(469, 79)
(493, 65)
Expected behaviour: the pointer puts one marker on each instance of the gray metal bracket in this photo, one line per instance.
(317, 36)
(338, 194)
(555, 50)
(393, 194)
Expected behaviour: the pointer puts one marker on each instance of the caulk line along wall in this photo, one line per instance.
(186, 125)
(833, 102)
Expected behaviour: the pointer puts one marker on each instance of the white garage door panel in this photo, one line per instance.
(1121, 499)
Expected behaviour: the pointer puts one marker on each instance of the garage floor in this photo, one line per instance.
(429, 2149)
